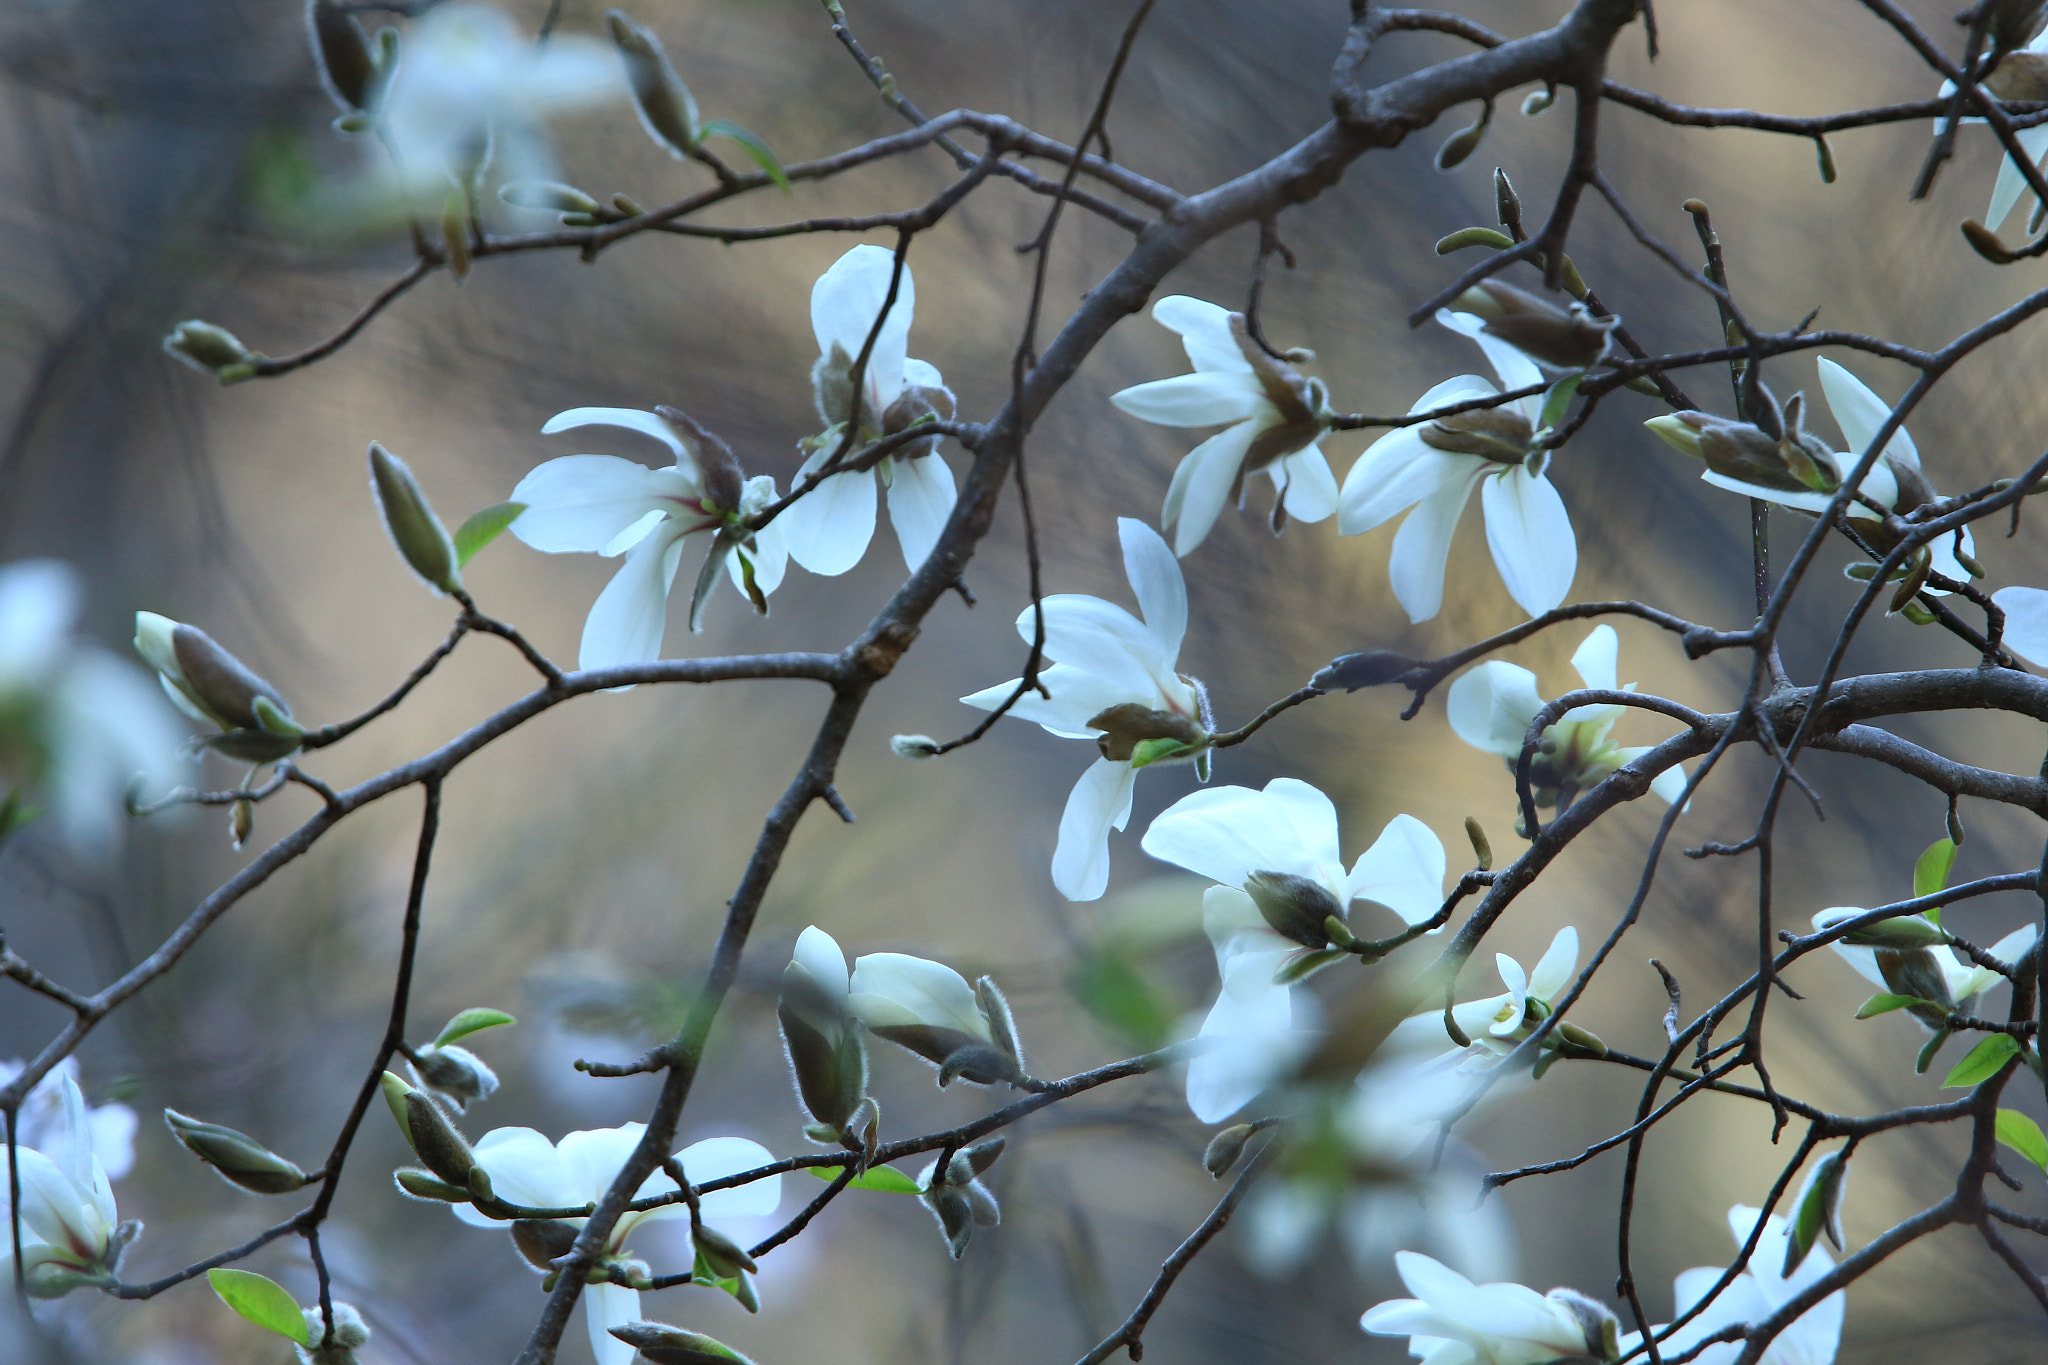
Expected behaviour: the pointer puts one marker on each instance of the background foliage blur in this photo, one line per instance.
(156, 160)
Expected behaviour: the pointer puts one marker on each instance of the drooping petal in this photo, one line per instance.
(1597, 658)
(582, 503)
(1195, 400)
(920, 500)
(1100, 802)
(1204, 329)
(628, 619)
(1212, 470)
(1397, 470)
(770, 557)
(1491, 707)
(2026, 621)
(1310, 488)
(1423, 544)
(1555, 968)
(1403, 870)
(1860, 413)
(1531, 539)
(845, 302)
(2011, 184)
(828, 529)
(1156, 582)
(632, 419)
(1254, 1038)
(606, 1306)
(716, 1158)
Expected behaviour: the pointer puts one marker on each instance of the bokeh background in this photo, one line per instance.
(157, 159)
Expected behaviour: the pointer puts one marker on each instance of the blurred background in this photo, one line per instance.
(164, 161)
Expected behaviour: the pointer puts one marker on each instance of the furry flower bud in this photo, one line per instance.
(207, 682)
(211, 350)
(667, 109)
(236, 1157)
(1296, 907)
(660, 1344)
(455, 1073)
(1566, 338)
(422, 540)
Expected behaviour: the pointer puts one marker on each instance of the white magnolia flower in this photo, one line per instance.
(469, 88)
(71, 1234)
(1496, 1024)
(1492, 706)
(1452, 1321)
(1277, 856)
(1939, 974)
(1113, 682)
(526, 1169)
(830, 527)
(2026, 619)
(40, 1123)
(1276, 416)
(601, 504)
(2022, 75)
(77, 724)
(929, 1008)
(1433, 467)
(1753, 1296)
(1859, 412)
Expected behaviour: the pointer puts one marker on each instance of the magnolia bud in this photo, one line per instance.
(1568, 338)
(206, 681)
(1225, 1148)
(550, 195)
(236, 1157)
(660, 1344)
(1901, 931)
(1578, 1039)
(955, 1215)
(1127, 724)
(1818, 1212)
(337, 1346)
(1002, 1026)
(1501, 434)
(1601, 1327)
(914, 746)
(422, 1185)
(211, 350)
(1371, 668)
(1917, 974)
(455, 1073)
(916, 404)
(409, 519)
(724, 1257)
(543, 1241)
(1746, 453)
(718, 469)
(1482, 851)
(1295, 906)
(433, 1138)
(342, 54)
(241, 823)
(667, 110)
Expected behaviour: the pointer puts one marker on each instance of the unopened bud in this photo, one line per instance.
(832, 386)
(1900, 931)
(1295, 906)
(421, 539)
(211, 350)
(914, 746)
(725, 1257)
(348, 68)
(718, 468)
(1985, 243)
(1602, 1329)
(549, 195)
(433, 1138)
(955, 1215)
(337, 1346)
(1507, 205)
(424, 1185)
(1818, 1213)
(1371, 668)
(1536, 101)
(236, 1157)
(1795, 463)
(1461, 144)
(667, 109)
(1568, 338)
(660, 1344)
(1582, 1040)
(1473, 236)
(1002, 1026)
(208, 682)
(455, 1073)
(1501, 434)
(1917, 974)
(543, 1241)
(1225, 1148)
(1482, 851)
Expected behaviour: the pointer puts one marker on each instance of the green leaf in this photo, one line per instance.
(263, 1302)
(1882, 1003)
(887, 1179)
(1558, 399)
(1154, 750)
(1812, 1213)
(1930, 874)
(1983, 1061)
(483, 528)
(2024, 1136)
(471, 1021)
(764, 155)
(1473, 236)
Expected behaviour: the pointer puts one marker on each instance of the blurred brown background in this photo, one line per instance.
(584, 861)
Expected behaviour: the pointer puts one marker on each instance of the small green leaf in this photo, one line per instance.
(764, 155)
(1147, 751)
(263, 1302)
(1558, 399)
(1983, 1061)
(1882, 1003)
(483, 528)
(1813, 1212)
(471, 1021)
(1930, 874)
(2024, 1136)
(887, 1179)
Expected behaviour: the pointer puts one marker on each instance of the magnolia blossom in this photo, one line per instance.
(601, 504)
(71, 1234)
(929, 1008)
(528, 1170)
(1113, 682)
(1496, 1024)
(829, 528)
(1433, 468)
(1492, 707)
(469, 88)
(1277, 856)
(1937, 974)
(40, 1123)
(77, 724)
(1752, 1297)
(1276, 416)
(2021, 74)
(1452, 1321)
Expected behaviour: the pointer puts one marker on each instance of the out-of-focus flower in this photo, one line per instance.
(1115, 683)
(77, 725)
(1492, 707)
(470, 89)
(1754, 1295)
(40, 1123)
(1276, 414)
(601, 504)
(1496, 1024)
(2026, 619)
(1433, 468)
(2022, 74)
(71, 1233)
(830, 527)
(528, 1170)
(929, 1008)
(1452, 1321)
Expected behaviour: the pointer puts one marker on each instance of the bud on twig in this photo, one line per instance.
(1567, 338)
(1900, 932)
(1296, 907)
(1371, 668)
(207, 682)
(211, 350)
(549, 195)
(667, 109)
(455, 1073)
(1225, 1148)
(421, 539)
(423, 1185)
(435, 1140)
(660, 1344)
(914, 746)
(236, 1157)
(1482, 851)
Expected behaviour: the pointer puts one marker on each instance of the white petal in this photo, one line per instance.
(1204, 329)
(1423, 544)
(1108, 641)
(1596, 659)
(1531, 539)
(844, 305)
(1860, 412)
(1555, 969)
(1403, 870)
(771, 560)
(1517, 982)
(828, 529)
(1515, 369)
(819, 954)
(1311, 488)
(716, 1158)
(1942, 555)
(1252, 1025)
(606, 1306)
(922, 374)
(626, 622)
(2011, 184)
(896, 988)
(1195, 400)
(1490, 708)
(920, 500)
(1100, 802)
(2026, 621)
(1157, 584)
(38, 601)
(581, 503)
(1078, 696)
(1212, 469)
(632, 419)
(1228, 833)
